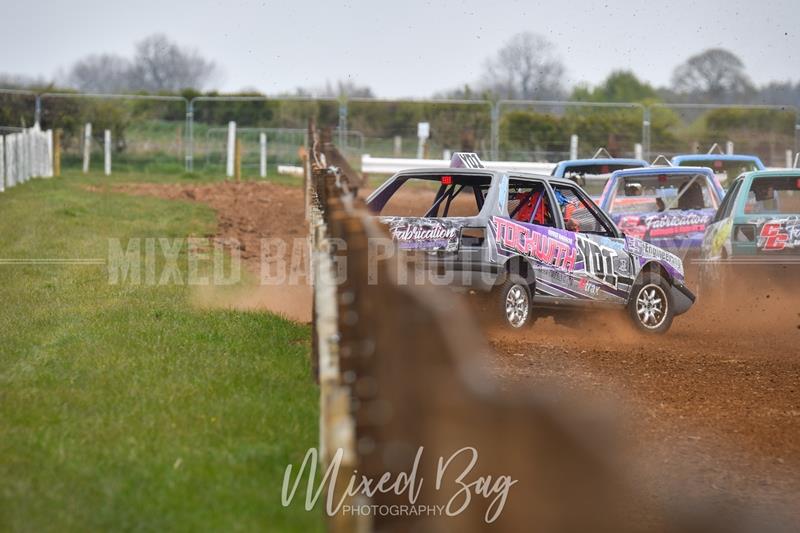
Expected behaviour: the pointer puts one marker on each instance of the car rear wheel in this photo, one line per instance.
(650, 307)
(514, 299)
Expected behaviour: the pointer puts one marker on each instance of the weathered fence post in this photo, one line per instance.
(49, 154)
(262, 143)
(87, 146)
(107, 152)
(57, 153)
(231, 149)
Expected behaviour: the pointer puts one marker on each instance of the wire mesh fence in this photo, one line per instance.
(175, 133)
(766, 131)
(542, 131)
(148, 132)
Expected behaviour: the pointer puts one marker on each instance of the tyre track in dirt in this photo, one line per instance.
(710, 410)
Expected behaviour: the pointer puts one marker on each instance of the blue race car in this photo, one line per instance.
(592, 174)
(669, 207)
(725, 166)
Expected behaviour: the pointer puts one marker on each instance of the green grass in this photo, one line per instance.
(123, 408)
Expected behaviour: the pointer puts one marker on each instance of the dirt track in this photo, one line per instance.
(716, 400)
(247, 213)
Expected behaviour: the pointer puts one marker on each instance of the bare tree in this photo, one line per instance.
(715, 74)
(104, 73)
(161, 65)
(525, 67)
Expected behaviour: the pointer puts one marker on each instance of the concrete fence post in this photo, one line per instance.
(573, 146)
(262, 143)
(107, 152)
(229, 169)
(789, 159)
(87, 146)
(48, 161)
(729, 147)
(638, 151)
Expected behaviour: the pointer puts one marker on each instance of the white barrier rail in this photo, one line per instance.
(391, 165)
(25, 155)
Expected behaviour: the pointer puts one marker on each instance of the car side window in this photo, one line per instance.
(529, 201)
(579, 213)
(726, 207)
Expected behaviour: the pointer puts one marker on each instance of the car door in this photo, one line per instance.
(716, 239)
(603, 269)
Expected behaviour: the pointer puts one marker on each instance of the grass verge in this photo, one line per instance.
(120, 406)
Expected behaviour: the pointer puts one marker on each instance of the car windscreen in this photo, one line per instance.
(774, 195)
(593, 177)
(449, 195)
(730, 169)
(662, 192)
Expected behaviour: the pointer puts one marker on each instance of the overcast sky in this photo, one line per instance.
(403, 47)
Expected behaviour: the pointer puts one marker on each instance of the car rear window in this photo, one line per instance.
(448, 195)
(774, 195)
(662, 192)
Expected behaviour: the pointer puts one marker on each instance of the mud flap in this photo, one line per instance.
(682, 298)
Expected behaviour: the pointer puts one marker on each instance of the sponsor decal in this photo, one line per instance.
(588, 287)
(644, 249)
(779, 234)
(424, 234)
(545, 245)
(664, 224)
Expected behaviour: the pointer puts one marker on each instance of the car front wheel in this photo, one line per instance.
(650, 307)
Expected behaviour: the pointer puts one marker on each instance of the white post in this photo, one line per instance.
(423, 132)
(48, 164)
(26, 155)
(446, 154)
(789, 159)
(637, 151)
(2, 165)
(573, 146)
(729, 147)
(398, 146)
(87, 146)
(11, 157)
(10, 160)
(231, 148)
(107, 150)
(262, 142)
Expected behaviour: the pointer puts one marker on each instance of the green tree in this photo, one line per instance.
(619, 86)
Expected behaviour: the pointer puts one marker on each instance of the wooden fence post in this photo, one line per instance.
(57, 153)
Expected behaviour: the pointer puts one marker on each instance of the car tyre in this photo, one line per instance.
(515, 300)
(650, 306)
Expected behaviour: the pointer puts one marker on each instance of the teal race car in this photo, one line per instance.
(755, 232)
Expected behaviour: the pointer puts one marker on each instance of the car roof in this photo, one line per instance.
(715, 157)
(482, 172)
(792, 172)
(566, 163)
(662, 170)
